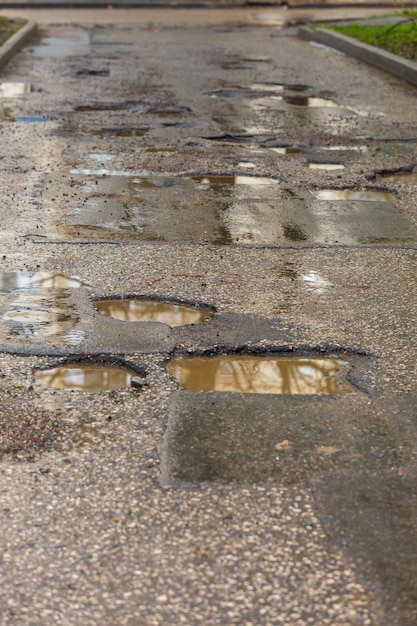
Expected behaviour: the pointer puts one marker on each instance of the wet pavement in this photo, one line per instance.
(207, 328)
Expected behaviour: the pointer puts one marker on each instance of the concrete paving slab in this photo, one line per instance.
(239, 438)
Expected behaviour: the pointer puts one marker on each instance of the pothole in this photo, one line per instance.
(54, 47)
(41, 306)
(118, 132)
(147, 310)
(287, 149)
(12, 281)
(99, 106)
(235, 180)
(261, 374)
(90, 378)
(351, 195)
(307, 101)
(400, 177)
(278, 87)
(331, 167)
(11, 90)
(32, 119)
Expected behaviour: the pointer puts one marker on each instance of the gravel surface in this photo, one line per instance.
(108, 512)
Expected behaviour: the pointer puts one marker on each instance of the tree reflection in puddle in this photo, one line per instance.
(262, 375)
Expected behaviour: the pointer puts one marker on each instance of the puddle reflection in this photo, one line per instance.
(262, 375)
(347, 194)
(235, 180)
(41, 306)
(14, 90)
(152, 311)
(118, 132)
(331, 167)
(287, 149)
(400, 177)
(11, 281)
(53, 47)
(303, 101)
(316, 282)
(277, 87)
(89, 378)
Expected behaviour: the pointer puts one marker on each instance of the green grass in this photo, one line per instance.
(9, 27)
(400, 39)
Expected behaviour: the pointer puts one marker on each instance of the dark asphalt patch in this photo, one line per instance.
(224, 437)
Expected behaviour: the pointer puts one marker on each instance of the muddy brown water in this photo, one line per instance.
(88, 378)
(260, 374)
(153, 311)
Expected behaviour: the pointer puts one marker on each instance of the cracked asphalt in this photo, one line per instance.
(209, 159)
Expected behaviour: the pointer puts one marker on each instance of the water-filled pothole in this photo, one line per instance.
(235, 180)
(331, 167)
(41, 306)
(32, 119)
(261, 374)
(278, 87)
(12, 281)
(287, 149)
(306, 101)
(89, 377)
(351, 195)
(14, 90)
(400, 177)
(146, 310)
(118, 132)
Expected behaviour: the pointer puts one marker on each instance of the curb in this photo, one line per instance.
(407, 70)
(16, 42)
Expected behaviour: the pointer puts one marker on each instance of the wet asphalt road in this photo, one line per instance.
(199, 164)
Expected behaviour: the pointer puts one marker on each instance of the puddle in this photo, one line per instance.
(41, 306)
(400, 177)
(287, 149)
(395, 148)
(103, 234)
(262, 375)
(349, 195)
(32, 118)
(316, 282)
(89, 378)
(303, 101)
(246, 165)
(118, 132)
(235, 180)
(53, 47)
(331, 167)
(113, 206)
(101, 158)
(153, 311)
(12, 281)
(159, 150)
(14, 90)
(278, 87)
(100, 106)
(102, 172)
(342, 148)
